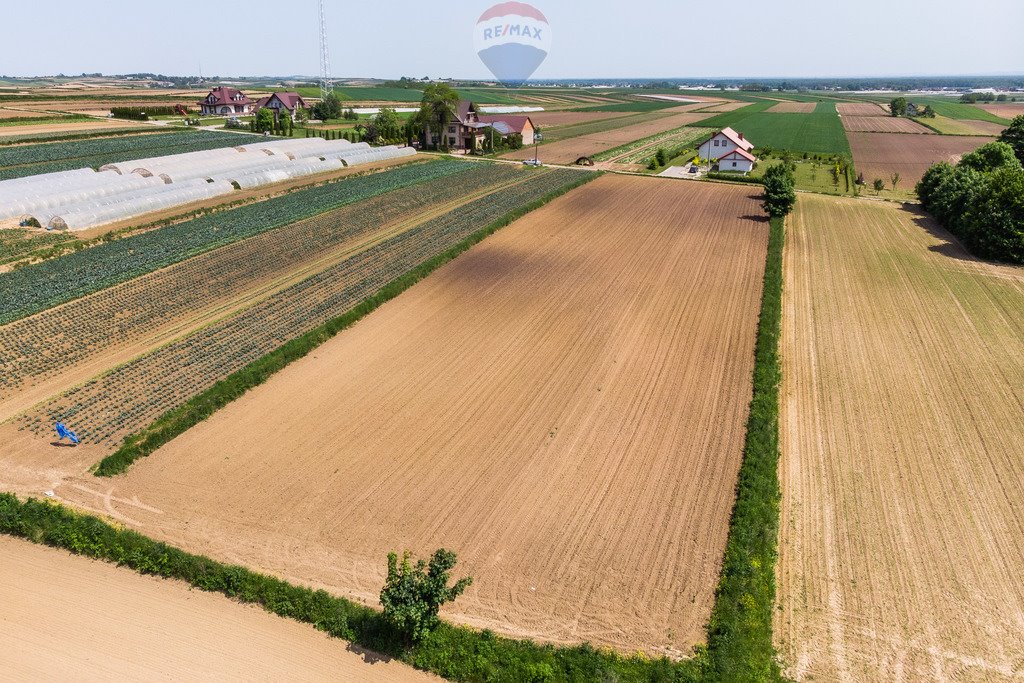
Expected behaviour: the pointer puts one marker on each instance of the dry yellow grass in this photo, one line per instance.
(902, 426)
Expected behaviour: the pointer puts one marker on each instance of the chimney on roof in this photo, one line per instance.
(741, 136)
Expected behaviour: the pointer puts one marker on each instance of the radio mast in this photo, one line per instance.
(326, 84)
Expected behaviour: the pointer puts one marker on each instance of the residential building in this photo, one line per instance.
(226, 101)
(283, 104)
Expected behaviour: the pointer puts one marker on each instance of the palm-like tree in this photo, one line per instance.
(440, 103)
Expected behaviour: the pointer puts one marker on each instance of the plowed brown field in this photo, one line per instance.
(861, 109)
(883, 124)
(877, 155)
(793, 108)
(569, 150)
(902, 423)
(549, 119)
(563, 405)
(71, 618)
(1006, 111)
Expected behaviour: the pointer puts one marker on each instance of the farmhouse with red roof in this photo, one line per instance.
(283, 104)
(224, 100)
(730, 149)
(467, 128)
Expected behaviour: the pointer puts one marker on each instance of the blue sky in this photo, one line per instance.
(592, 38)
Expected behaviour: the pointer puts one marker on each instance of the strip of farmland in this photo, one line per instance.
(902, 425)
(132, 395)
(883, 124)
(72, 618)
(563, 405)
(17, 162)
(35, 288)
(569, 150)
(878, 155)
(43, 352)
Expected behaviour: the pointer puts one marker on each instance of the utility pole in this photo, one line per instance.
(326, 84)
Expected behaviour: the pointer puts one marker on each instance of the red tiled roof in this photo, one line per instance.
(290, 100)
(740, 142)
(516, 123)
(224, 95)
(742, 152)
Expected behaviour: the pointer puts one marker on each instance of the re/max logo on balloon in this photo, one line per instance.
(510, 30)
(512, 39)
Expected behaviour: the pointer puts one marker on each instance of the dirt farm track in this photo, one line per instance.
(71, 618)
(902, 427)
(563, 405)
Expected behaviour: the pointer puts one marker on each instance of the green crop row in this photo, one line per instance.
(41, 286)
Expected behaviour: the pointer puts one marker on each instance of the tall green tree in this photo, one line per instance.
(898, 106)
(387, 124)
(1014, 137)
(439, 105)
(779, 190)
(989, 157)
(327, 108)
(264, 120)
(413, 594)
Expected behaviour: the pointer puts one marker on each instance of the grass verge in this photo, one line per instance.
(198, 408)
(740, 629)
(454, 652)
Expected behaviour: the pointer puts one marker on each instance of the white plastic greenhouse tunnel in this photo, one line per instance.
(84, 198)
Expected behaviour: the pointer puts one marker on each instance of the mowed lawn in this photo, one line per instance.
(818, 132)
(901, 426)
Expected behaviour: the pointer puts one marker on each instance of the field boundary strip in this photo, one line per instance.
(740, 629)
(457, 653)
(198, 408)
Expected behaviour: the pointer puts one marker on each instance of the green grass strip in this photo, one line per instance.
(198, 408)
(740, 629)
(454, 652)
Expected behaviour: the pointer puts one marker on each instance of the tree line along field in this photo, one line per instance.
(901, 426)
(569, 415)
(61, 611)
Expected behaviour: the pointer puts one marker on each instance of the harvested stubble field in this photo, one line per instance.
(949, 126)
(862, 109)
(72, 618)
(567, 151)
(793, 108)
(883, 124)
(878, 155)
(563, 405)
(901, 427)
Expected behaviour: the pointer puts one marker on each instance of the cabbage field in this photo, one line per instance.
(131, 396)
(41, 286)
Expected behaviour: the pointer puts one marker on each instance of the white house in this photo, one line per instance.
(737, 160)
(724, 142)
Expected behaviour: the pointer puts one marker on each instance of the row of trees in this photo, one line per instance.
(981, 198)
(899, 106)
(974, 97)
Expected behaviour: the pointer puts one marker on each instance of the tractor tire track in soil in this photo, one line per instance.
(563, 405)
(902, 423)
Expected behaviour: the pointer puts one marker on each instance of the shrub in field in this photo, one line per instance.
(879, 185)
(1014, 137)
(413, 594)
(779, 190)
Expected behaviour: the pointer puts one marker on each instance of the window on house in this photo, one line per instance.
(717, 143)
(451, 129)
(451, 142)
(734, 164)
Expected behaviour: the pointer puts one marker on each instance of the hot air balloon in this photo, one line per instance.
(512, 39)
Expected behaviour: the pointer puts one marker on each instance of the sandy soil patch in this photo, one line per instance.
(72, 618)
(883, 124)
(877, 155)
(569, 150)
(902, 423)
(563, 405)
(862, 109)
(793, 108)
